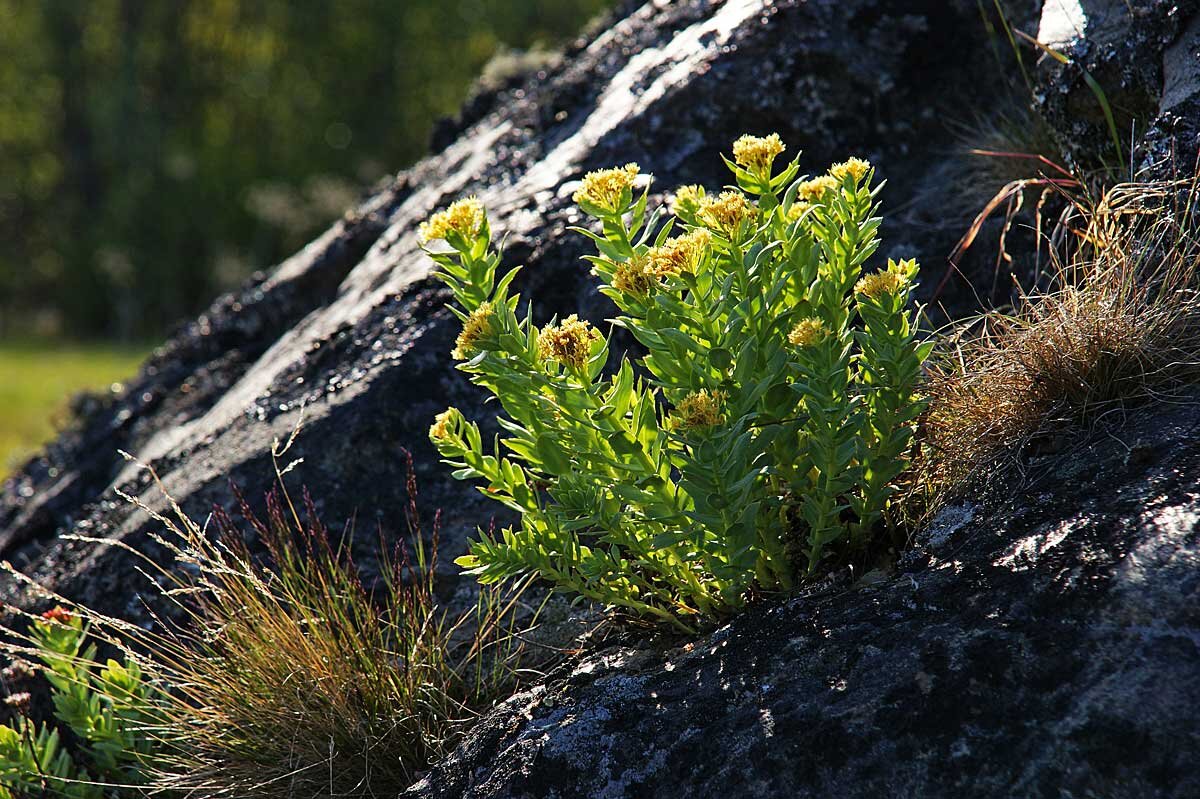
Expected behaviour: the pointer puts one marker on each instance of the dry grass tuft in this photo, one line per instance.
(1118, 325)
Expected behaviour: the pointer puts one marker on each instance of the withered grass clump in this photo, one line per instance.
(287, 676)
(1119, 324)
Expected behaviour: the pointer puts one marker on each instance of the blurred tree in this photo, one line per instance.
(152, 153)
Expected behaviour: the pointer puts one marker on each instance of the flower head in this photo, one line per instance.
(444, 423)
(797, 210)
(477, 327)
(605, 187)
(632, 277)
(757, 153)
(688, 199)
(726, 212)
(17, 671)
(855, 167)
(464, 217)
(808, 332)
(569, 342)
(699, 409)
(19, 701)
(892, 280)
(679, 254)
(59, 614)
(814, 190)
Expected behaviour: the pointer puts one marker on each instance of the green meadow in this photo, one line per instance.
(37, 380)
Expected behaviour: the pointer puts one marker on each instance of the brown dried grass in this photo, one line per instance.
(1118, 324)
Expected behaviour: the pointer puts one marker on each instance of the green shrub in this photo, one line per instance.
(105, 706)
(764, 429)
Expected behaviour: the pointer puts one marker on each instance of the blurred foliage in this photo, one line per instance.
(152, 154)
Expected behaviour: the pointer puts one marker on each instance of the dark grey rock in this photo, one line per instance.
(1173, 142)
(1047, 647)
(1146, 72)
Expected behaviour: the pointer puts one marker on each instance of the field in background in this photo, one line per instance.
(38, 378)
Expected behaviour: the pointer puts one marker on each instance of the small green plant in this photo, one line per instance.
(105, 706)
(763, 430)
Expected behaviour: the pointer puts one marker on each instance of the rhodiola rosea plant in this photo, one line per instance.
(763, 431)
(108, 708)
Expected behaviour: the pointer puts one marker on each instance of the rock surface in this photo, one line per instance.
(1045, 648)
(1049, 647)
(1142, 58)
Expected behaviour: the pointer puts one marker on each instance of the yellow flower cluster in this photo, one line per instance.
(477, 326)
(688, 199)
(464, 216)
(814, 190)
(443, 423)
(797, 210)
(679, 254)
(855, 167)
(569, 342)
(808, 332)
(699, 409)
(632, 277)
(726, 212)
(604, 187)
(757, 153)
(890, 281)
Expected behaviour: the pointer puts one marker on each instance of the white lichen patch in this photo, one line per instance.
(1026, 552)
(768, 723)
(948, 521)
(1063, 22)
(1178, 518)
(1164, 547)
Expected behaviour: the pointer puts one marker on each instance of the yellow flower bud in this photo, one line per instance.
(808, 332)
(569, 342)
(855, 167)
(477, 326)
(464, 216)
(604, 187)
(632, 277)
(444, 423)
(892, 280)
(757, 153)
(679, 254)
(727, 212)
(699, 409)
(814, 190)
(688, 199)
(797, 210)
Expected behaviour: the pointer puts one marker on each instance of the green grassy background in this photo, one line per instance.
(38, 378)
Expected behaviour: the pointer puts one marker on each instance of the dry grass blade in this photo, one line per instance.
(1011, 195)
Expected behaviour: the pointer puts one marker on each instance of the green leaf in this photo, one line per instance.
(721, 358)
(621, 444)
